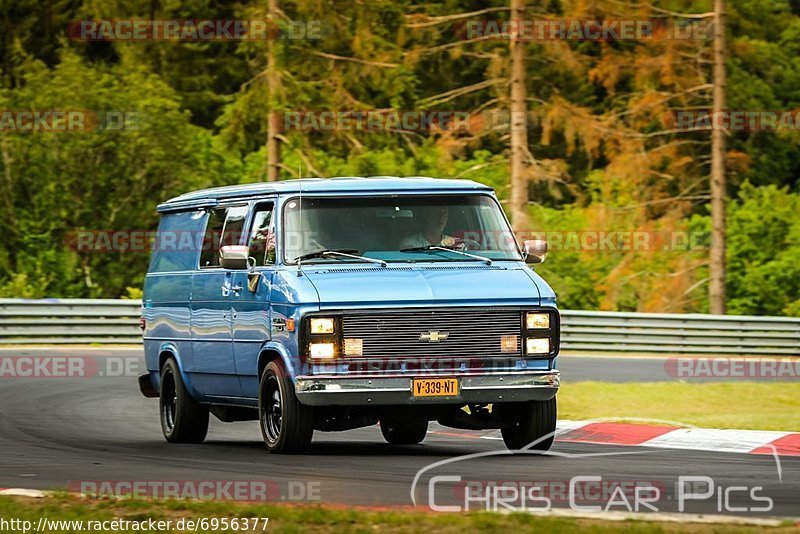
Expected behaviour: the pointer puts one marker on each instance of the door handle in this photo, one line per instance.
(236, 290)
(226, 291)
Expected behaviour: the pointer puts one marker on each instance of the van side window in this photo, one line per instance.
(224, 227)
(175, 244)
(209, 257)
(234, 226)
(262, 236)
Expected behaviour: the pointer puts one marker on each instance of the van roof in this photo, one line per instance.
(344, 184)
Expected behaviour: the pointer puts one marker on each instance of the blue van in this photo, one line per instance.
(333, 304)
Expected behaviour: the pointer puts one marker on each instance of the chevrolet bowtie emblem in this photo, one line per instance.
(433, 337)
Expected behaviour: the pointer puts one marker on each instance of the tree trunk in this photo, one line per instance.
(273, 96)
(519, 128)
(717, 283)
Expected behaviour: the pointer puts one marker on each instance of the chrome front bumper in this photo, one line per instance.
(337, 390)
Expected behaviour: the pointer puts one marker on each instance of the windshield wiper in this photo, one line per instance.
(338, 253)
(484, 259)
(321, 253)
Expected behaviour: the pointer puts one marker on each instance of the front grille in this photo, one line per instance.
(470, 332)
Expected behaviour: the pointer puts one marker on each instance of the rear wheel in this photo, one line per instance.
(530, 422)
(183, 419)
(404, 432)
(286, 425)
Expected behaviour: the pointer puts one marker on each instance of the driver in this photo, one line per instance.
(432, 223)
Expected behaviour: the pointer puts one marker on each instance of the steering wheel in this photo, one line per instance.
(465, 244)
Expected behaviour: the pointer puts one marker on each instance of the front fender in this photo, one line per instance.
(283, 353)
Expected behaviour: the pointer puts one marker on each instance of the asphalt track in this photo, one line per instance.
(55, 432)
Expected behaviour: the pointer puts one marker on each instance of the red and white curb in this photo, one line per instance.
(666, 437)
(671, 437)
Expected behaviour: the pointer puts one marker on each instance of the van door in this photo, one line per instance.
(213, 369)
(251, 309)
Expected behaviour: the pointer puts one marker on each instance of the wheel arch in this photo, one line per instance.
(170, 350)
(275, 351)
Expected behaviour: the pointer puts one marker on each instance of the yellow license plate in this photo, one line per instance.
(434, 387)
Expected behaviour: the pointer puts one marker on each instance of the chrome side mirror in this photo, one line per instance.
(535, 250)
(233, 257)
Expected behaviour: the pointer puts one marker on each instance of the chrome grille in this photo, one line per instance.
(470, 332)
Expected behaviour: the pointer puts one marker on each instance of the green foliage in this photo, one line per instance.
(748, 405)
(764, 252)
(602, 159)
(763, 259)
(60, 183)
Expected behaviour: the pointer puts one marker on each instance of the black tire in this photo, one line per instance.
(287, 426)
(529, 422)
(404, 432)
(183, 419)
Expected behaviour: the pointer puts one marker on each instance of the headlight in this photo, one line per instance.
(322, 351)
(537, 345)
(322, 325)
(537, 320)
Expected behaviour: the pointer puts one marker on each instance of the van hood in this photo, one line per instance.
(375, 286)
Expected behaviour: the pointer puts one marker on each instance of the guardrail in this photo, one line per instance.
(679, 333)
(71, 321)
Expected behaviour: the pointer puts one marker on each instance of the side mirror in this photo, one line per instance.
(535, 250)
(233, 257)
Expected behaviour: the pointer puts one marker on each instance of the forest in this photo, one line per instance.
(607, 162)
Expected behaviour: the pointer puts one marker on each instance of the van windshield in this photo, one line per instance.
(397, 229)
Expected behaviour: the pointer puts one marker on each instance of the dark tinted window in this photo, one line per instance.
(175, 244)
(209, 257)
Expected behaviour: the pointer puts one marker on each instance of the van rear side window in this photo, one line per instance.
(175, 244)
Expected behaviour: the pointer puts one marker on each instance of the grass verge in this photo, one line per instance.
(744, 405)
(283, 518)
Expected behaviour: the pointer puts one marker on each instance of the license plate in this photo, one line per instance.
(434, 387)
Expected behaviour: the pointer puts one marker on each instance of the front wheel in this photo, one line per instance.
(183, 419)
(286, 425)
(530, 423)
(404, 432)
